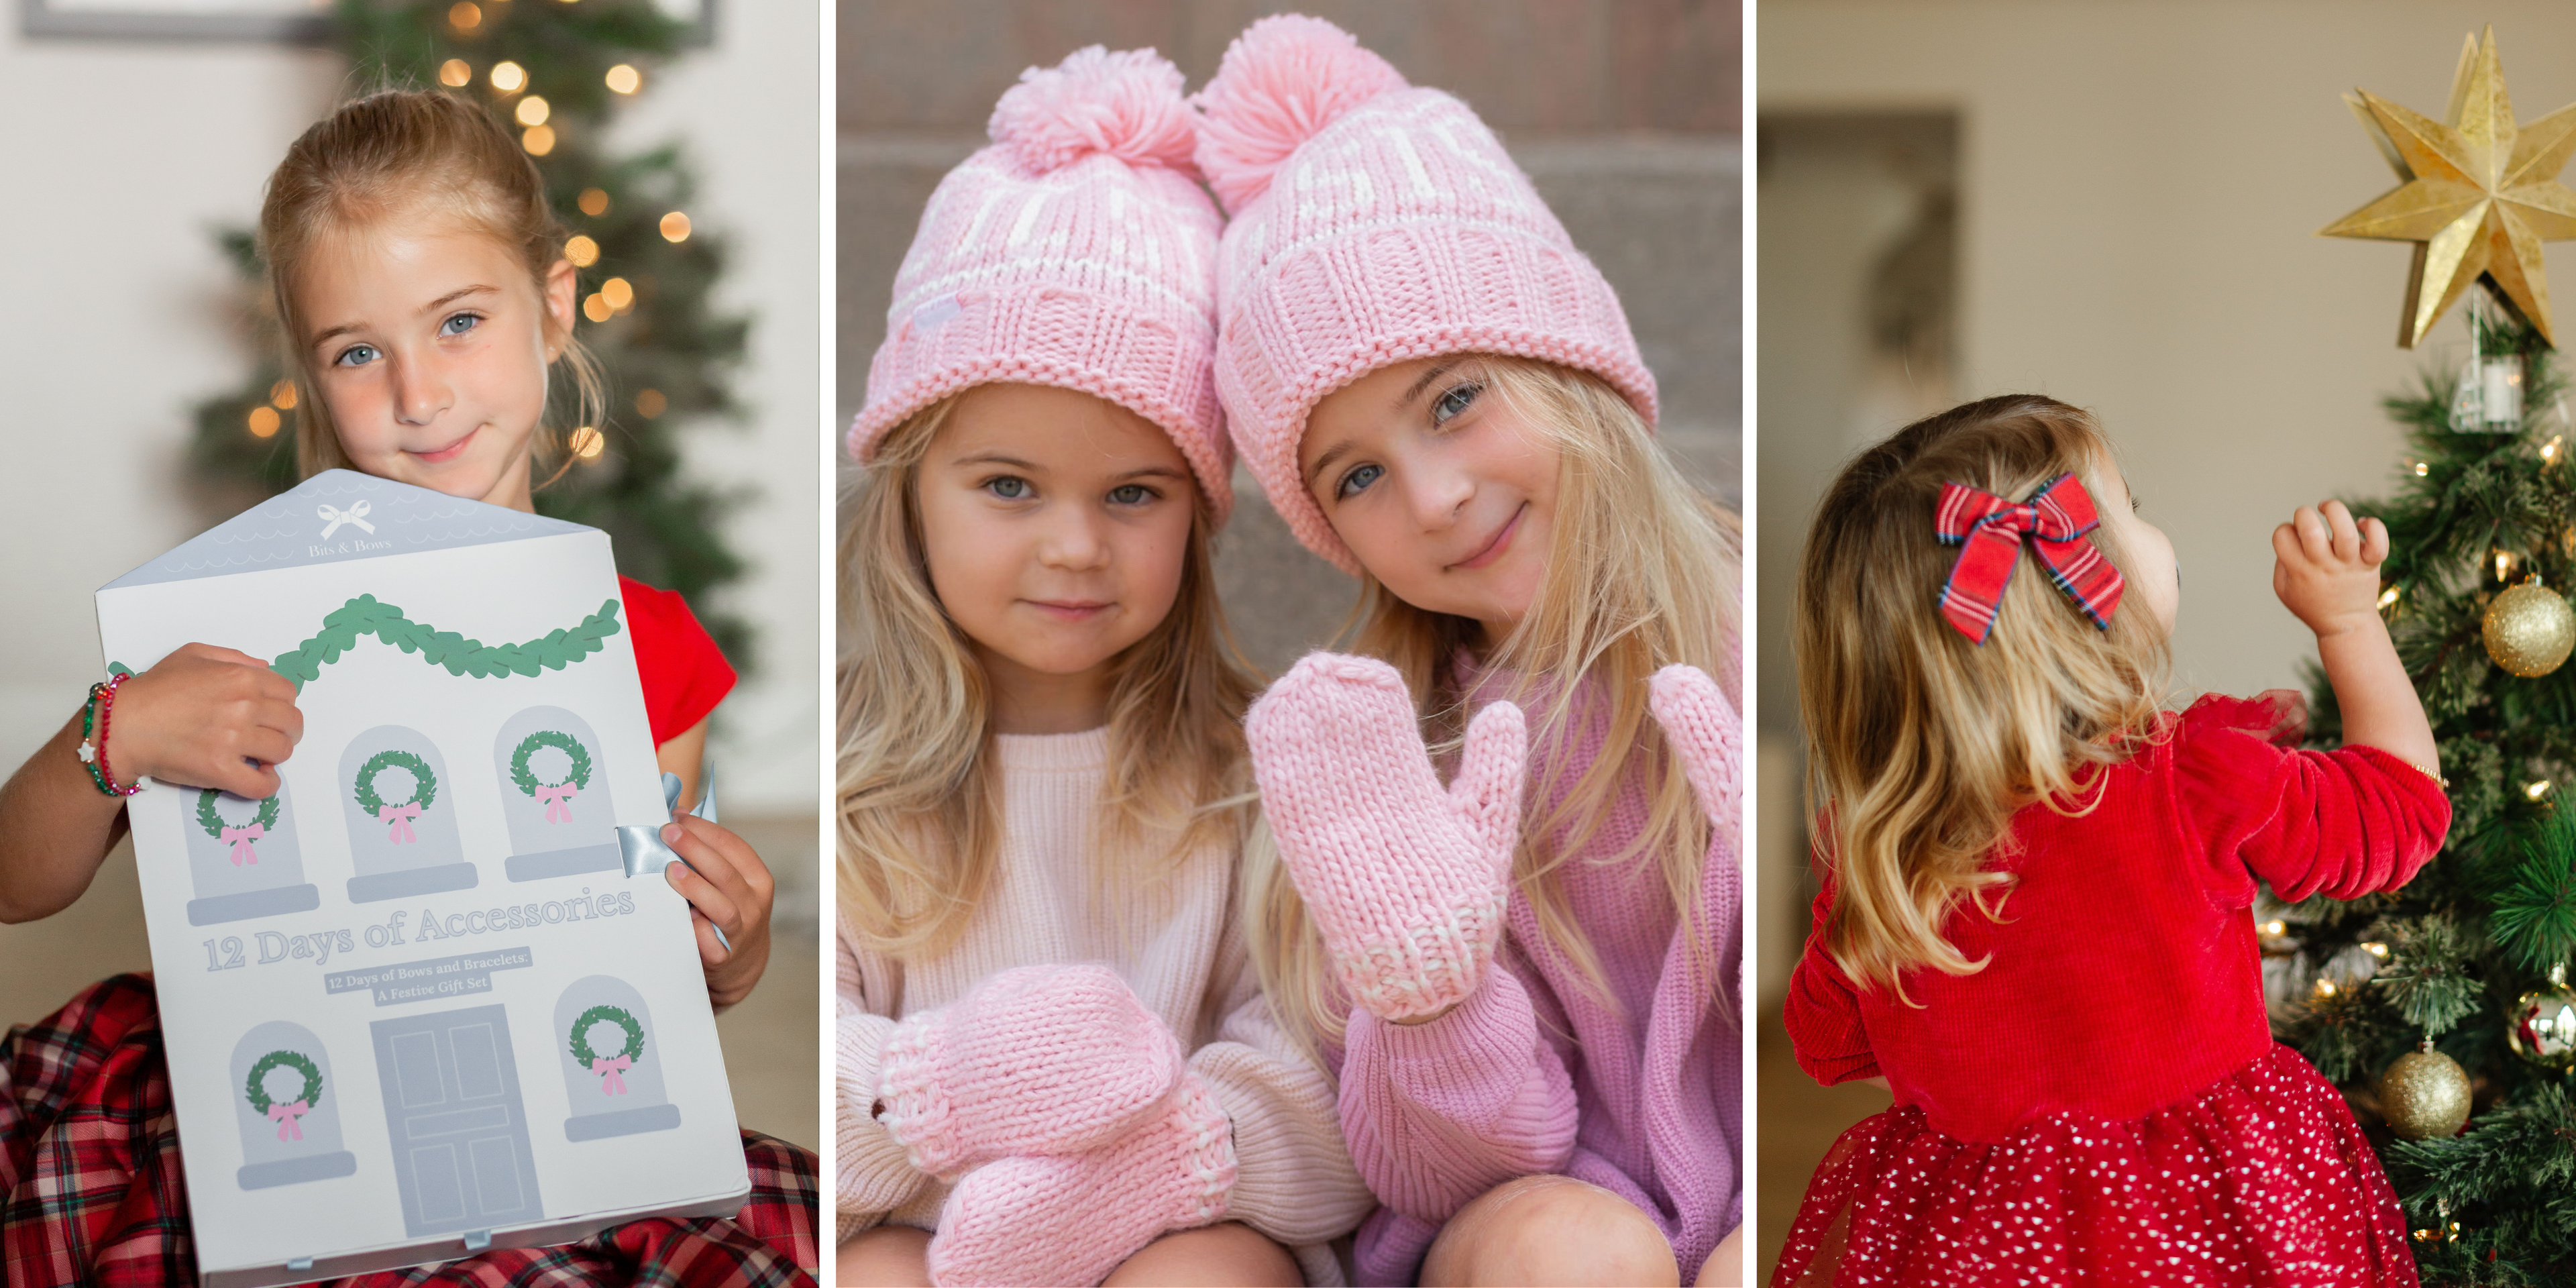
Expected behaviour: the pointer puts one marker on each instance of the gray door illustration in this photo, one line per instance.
(462, 1159)
(242, 858)
(554, 795)
(401, 807)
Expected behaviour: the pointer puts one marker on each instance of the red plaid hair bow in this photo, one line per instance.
(1992, 529)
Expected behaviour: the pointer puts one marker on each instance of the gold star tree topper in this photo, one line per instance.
(2477, 194)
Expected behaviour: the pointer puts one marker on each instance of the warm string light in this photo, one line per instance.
(465, 15)
(582, 251)
(509, 77)
(595, 307)
(533, 110)
(619, 292)
(455, 73)
(264, 421)
(624, 79)
(675, 227)
(2379, 951)
(2388, 597)
(650, 404)
(2276, 928)
(2422, 469)
(2325, 988)
(2504, 565)
(2549, 450)
(587, 443)
(593, 202)
(538, 140)
(2536, 790)
(282, 395)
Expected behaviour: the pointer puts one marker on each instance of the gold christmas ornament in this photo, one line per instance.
(2424, 1095)
(2477, 194)
(2542, 1024)
(2528, 629)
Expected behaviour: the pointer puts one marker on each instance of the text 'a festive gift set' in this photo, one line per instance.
(415, 1004)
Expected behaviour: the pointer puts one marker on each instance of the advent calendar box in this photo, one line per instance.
(434, 995)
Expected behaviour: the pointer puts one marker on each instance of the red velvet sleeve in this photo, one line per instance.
(1823, 1014)
(2340, 823)
(684, 674)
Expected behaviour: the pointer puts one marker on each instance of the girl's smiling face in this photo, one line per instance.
(1054, 525)
(1442, 489)
(429, 346)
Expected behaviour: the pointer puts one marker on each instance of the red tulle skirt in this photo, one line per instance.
(2262, 1180)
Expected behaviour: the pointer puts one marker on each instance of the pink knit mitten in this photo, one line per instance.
(1707, 737)
(1405, 881)
(1071, 1220)
(1051, 1059)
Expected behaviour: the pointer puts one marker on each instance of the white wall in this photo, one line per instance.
(2140, 188)
(117, 161)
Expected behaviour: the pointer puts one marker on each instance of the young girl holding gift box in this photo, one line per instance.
(1053, 1051)
(1994, 766)
(1440, 394)
(419, 278)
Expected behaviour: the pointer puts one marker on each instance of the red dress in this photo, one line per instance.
(90, 1184)
(2104, 1103)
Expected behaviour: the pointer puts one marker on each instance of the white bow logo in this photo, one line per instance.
(356, 514)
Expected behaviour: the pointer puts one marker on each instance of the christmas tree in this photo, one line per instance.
(554, 72)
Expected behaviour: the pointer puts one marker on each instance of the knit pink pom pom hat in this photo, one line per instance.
(1075, 251)
(1374, 223)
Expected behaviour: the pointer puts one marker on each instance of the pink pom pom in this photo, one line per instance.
(1126, 104)
(1285, 78)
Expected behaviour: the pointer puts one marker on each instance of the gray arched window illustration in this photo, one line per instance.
(242, 858)
(289, 1108)
(401, 808)
(554, 794)
(611, 1061)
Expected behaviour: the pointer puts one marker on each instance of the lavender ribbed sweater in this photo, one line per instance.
(1173, 935)
(1641, 1092)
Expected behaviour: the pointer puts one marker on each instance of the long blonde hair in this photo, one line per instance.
(1642, 572)
(391, 154)
(1922, 744)
(919, 802)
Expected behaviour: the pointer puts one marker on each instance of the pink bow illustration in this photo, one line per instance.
(285, 1115)
(240, 838)
(558, 801)
(400, 816)
(609, 1067)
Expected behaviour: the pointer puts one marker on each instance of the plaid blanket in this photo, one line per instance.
(91, 1190)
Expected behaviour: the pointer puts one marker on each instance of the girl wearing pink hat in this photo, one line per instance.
(1054, 1058)
(1528, 980)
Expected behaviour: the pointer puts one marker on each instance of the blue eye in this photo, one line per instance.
(356, 355)
(1131, 494)
(1455, 401)
(460, 324)
(1008, 487)
(1357, 481)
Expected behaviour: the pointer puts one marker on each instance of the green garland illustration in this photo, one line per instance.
(366, 615)
(609, 1067)
(242, 835)
(285, 1114)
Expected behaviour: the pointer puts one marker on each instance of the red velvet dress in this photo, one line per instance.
(2104, 1103)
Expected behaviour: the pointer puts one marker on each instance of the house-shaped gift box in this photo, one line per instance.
(414, 1004)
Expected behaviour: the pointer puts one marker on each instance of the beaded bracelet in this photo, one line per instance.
(93, 751)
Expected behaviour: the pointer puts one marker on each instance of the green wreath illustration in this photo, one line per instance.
(424, 789)
(214, 823)
(564, 742)
(257, 1088)
(617, 1015)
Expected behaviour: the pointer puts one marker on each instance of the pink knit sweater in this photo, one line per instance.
(1175, 940)
(1641, 1092)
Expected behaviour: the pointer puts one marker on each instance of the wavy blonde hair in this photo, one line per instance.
(1922, 744)
(1642, 572)
(919, 799)
(394, 154)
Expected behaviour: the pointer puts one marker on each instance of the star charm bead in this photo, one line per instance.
(88, 753)
(2478, 195)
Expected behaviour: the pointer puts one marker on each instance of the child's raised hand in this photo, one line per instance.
(205, 717)
(1406, 881)
(726, 885)
(2327, 568)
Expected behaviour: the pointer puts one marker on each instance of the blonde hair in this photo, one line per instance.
(394, 153)
(1923, 744)
(1641, 573)
(919, 801)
